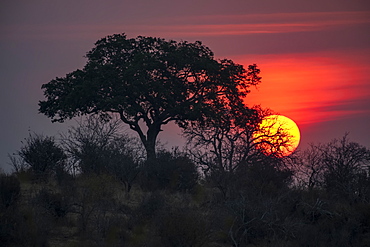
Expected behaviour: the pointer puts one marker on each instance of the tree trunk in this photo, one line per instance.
(150, 150)
(150, 142)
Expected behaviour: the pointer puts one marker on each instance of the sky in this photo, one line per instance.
(314, 56)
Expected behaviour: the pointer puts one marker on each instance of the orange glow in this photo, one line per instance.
(313, 87)
(278, 135)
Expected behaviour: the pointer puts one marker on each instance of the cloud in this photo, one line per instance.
(263, 23)
(196, 26)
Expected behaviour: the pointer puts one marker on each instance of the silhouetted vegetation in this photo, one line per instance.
(41, 156)
(97, 186)
(172, 171)
(150, 81)
(301, 200)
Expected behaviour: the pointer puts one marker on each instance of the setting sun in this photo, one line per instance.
(278, 135)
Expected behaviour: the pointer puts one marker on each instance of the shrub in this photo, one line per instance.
(183, 227)
(42, 155)
(9, 190)
(172, 171)
(52, 203)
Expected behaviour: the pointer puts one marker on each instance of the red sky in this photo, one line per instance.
(314, 87)
(314, 55)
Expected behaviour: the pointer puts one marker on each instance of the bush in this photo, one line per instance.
(9, 190)
(183, 227)
(52, 203)
(42, 155)
(98, 147)
(9, 212)
(172, 171)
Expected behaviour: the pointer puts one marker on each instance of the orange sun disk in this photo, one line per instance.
(278, 135)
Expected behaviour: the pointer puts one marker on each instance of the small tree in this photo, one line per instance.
(86, 144)
(42, 155)
(309, 166)
(235, 136)
(339, 166)
(150, 81)
(346, 163)
(97, 146)
(123, 160)
(227, 143)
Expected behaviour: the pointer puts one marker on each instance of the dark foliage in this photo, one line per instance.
(173, 171)
(263, 208)
(9, 191)
(97, 147)
(178, 226)
(51, 203)
(340, 166)
(151, 81)
(243, 197)
(98, 189)
(42, 155)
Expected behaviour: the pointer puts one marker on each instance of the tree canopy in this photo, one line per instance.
(152, 81)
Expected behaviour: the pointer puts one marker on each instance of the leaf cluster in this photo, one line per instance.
(148, 79)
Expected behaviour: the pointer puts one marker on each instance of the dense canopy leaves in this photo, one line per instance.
(151, 80)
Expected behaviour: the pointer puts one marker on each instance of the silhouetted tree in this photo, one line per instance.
(346, 169)
(96, 146)
(339, 166)
(262, 207)
(309, 166)
(229, 142)
(42, 155)
(86, 144)
(123, 161)
(148, 80)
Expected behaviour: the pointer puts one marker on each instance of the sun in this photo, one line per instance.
(277, 135)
